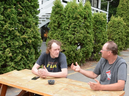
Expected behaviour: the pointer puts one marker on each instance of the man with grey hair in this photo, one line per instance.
(111, 68)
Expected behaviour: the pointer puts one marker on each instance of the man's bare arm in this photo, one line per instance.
(35, 69)
(62, 74)
(119, 86)
(89, 74)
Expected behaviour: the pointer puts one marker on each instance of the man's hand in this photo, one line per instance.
(75, 68)
(95, 86)
(43, 72)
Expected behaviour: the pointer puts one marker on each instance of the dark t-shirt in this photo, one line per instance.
(111, 73)
(52, 64)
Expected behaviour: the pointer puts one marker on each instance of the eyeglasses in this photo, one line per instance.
(104, 50)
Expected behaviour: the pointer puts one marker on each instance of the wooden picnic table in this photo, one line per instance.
(63, 86)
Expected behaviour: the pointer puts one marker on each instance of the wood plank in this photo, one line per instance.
(20, 80)
(62, 87)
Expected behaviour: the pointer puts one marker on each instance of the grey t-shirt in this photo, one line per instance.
(52, 64)
(111, 73)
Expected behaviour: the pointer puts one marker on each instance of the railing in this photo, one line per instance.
(45, 7)
(96, 10)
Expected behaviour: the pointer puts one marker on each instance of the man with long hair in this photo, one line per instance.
(53, 61)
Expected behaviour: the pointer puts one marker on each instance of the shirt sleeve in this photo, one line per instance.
(63, 61)
(122, 72)
(99, 65)
(40, 60)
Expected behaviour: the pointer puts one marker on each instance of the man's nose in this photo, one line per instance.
(100, 52)
(58, 51)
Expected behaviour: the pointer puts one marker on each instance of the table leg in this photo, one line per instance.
(21, 93)
(25, 93)
(0, 84)
(31, 94)
(3, 90)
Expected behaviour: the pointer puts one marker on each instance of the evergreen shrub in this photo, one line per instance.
(79, 35)
(19, 35)
(123, 12)
(56, 19)
(100, 34)
(73, 28)
(116, 32)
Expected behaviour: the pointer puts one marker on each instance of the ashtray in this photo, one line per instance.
(51, 82)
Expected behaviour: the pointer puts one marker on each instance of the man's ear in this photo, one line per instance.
(109, 52)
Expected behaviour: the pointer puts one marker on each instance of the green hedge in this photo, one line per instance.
(123, 12)
(82, 33)
(100, 34)
(116, 32)
(19, 35)
(56, 19)
(73, 28)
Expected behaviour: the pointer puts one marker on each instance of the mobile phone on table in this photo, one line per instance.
(35, 78)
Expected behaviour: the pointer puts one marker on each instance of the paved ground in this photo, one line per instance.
(77, 76)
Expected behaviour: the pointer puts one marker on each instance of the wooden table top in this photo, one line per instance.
(62, 87)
